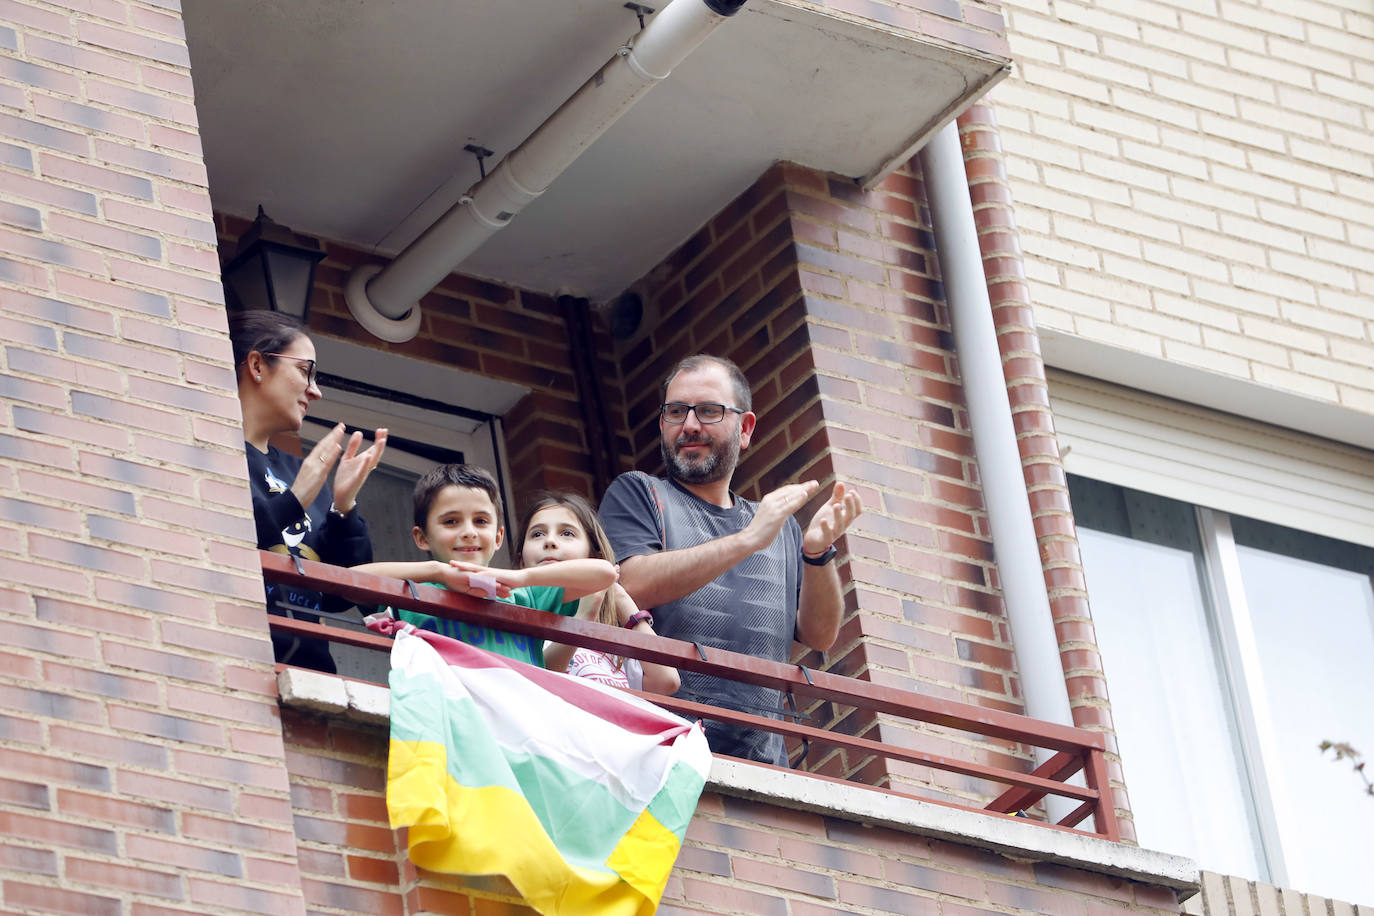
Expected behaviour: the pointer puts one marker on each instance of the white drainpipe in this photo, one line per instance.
(994, 439)
(385, 301)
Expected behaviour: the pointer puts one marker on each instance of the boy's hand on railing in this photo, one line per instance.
(482, 581)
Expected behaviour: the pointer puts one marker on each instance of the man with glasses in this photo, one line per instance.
(719, 570)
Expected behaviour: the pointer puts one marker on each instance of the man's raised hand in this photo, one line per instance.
(775, 508)
(832, 519)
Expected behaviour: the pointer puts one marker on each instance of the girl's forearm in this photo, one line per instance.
(576, 577)
(418, 570)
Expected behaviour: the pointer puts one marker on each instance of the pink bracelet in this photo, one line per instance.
(483, 581)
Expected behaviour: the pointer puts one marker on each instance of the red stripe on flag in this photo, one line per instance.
(614, 709)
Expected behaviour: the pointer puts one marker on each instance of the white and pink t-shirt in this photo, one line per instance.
(600, 667)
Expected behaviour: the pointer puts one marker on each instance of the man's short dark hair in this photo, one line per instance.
(453, 475)
(744, 399)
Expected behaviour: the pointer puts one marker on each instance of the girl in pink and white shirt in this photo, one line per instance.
(563, 526)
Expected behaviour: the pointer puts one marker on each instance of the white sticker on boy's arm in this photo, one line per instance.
(486, 583)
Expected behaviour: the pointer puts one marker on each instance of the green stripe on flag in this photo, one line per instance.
(676, 802)
(581, 816)
(493, 774)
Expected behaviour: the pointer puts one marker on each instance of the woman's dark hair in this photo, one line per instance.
(261, 330)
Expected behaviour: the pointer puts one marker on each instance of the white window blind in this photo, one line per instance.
(1212, 459)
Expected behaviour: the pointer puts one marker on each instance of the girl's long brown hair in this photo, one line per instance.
(596, 536)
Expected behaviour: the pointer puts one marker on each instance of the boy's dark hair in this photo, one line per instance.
(743, 397)
(261, 330)
(453, 475)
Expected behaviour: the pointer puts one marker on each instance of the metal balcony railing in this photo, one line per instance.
(1076, 750)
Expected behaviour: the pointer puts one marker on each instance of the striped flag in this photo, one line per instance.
(578, 793)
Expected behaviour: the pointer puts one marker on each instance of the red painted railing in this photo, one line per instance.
(1076, 749)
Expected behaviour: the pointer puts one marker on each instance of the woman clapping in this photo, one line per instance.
(296, 510)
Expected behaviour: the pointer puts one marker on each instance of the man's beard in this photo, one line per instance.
(718, 464)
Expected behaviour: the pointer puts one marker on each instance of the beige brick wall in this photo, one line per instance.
(1194, 180)
(1224, 895)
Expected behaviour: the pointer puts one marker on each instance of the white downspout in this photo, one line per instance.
(386, 300)
(994, 439)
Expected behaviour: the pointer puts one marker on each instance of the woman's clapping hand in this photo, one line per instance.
(354, 465)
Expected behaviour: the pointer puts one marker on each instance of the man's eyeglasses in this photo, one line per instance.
(310, 367)
(676, 413)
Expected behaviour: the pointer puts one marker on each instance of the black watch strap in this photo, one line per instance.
(821, 560)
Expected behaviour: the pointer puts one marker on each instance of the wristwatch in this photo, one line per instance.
(821, 560)
(639, 617)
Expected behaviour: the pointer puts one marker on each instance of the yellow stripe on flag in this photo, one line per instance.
(645, 855)
(500, 834)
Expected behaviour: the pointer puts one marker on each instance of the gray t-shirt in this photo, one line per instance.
(751, 608)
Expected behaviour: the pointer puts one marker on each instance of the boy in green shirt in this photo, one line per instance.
(458, 520)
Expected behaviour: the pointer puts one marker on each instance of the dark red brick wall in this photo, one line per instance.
(829, 298)
(491, 330)
(141, 761)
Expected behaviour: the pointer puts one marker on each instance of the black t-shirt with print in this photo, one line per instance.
(312, 534)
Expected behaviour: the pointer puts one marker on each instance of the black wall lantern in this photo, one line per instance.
(274, 269)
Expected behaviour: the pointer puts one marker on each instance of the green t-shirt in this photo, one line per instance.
(512, 645)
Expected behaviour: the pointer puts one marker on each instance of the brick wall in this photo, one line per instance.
(828, 298)
(142, 770)
(741, 857)
(1028, 391)
(1227, 895)
(1193, 182)
(926, 596)
(485, 329)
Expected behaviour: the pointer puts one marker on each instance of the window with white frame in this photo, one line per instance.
(1232, 649)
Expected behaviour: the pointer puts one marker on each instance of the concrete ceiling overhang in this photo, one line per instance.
(346, 119)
